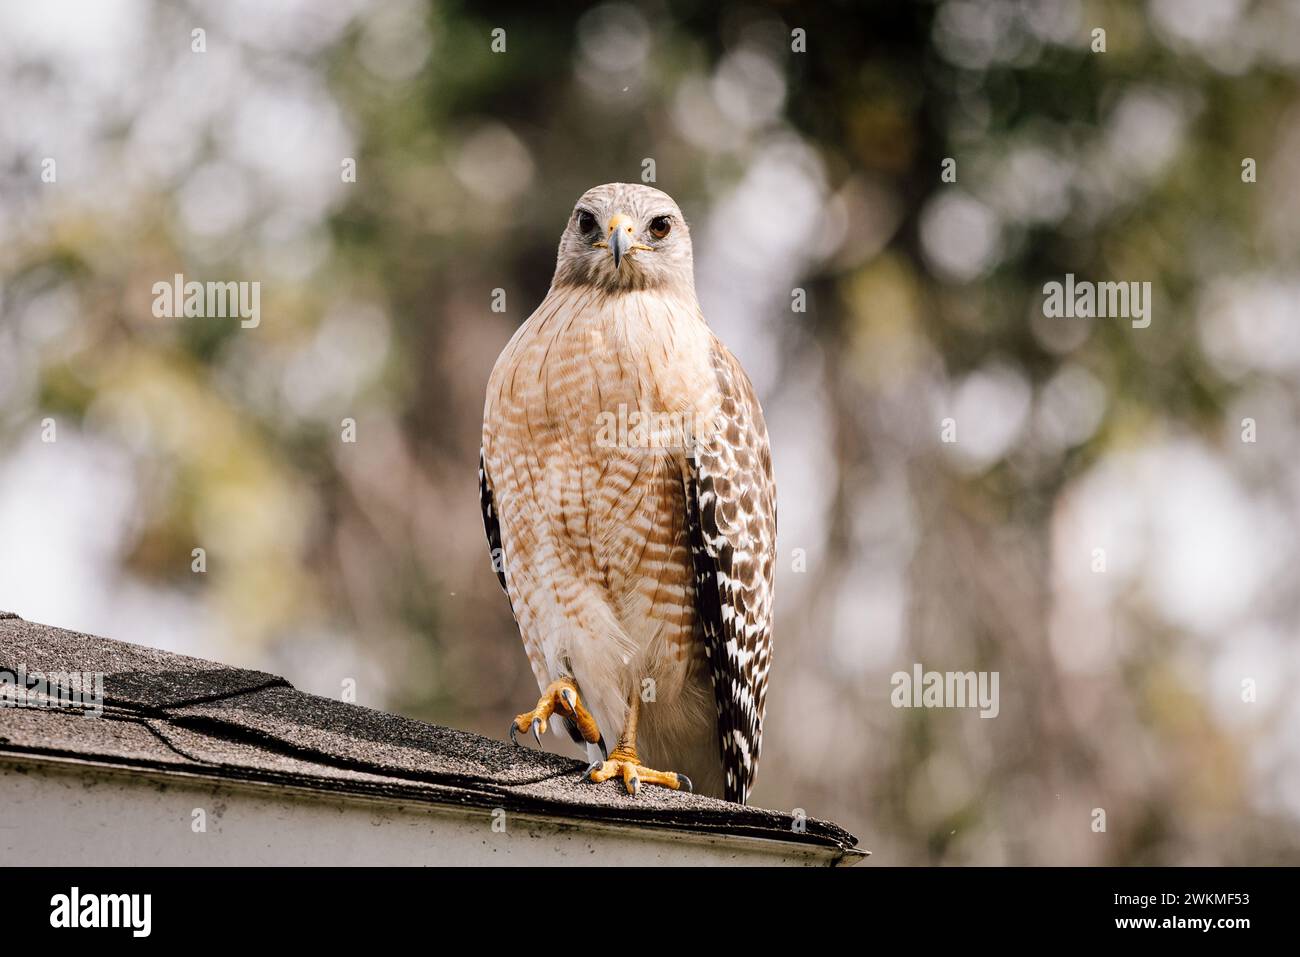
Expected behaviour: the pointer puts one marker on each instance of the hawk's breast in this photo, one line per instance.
(593, 412)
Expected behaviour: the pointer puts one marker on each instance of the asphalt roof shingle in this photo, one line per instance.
(164, 711)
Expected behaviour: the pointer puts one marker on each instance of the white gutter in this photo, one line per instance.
(68, 811)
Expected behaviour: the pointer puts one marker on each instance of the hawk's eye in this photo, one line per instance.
(659, 226)
(586, 221)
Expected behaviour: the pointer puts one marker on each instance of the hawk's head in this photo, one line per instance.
(625, 236)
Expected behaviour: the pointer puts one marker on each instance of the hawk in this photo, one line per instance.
(627, 494)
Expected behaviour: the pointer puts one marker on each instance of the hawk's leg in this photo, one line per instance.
(625, 763)
(560, 697)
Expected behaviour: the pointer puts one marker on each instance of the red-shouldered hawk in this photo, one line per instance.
(628, 499)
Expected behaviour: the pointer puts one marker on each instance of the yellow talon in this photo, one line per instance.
(625, 763)
(560, 696)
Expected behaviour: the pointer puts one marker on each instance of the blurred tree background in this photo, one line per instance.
(1099, 533)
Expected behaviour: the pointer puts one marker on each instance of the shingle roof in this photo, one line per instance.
(164, 711)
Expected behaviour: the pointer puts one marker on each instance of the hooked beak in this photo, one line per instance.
(620, 237)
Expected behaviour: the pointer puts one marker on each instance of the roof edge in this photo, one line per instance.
(441, 798)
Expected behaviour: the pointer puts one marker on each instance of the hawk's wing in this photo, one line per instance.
(731, 499)
(490, 524)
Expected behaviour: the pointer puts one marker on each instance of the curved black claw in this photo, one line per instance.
(570, 699)
(513, 739)
(685, 783)
(586, 775)
(537, 723)
(604, 751)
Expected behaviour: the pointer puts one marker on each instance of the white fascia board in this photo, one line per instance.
(74, 812)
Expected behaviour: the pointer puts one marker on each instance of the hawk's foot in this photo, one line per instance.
(560, 697)
(624, 762)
